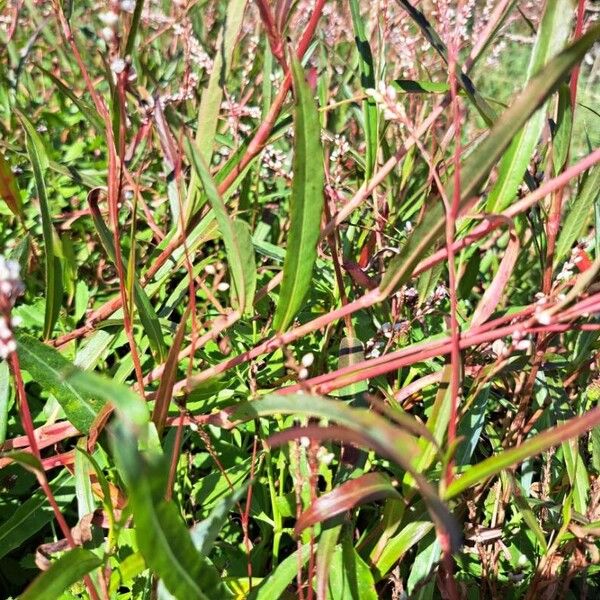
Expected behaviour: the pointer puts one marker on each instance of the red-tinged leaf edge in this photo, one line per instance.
(363, 489)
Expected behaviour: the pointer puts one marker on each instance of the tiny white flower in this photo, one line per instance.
(210, 270)
(304, 441)
(127, 5)
(117, 66)
(107, 34)
(523, 345)
(308, 359)
(223, 286)
(109, 18)
(544, 317)
(499, 348)
(303, 373)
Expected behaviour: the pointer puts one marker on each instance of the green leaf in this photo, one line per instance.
(48, 367)
(367, 80)
(479, 163)
(553, 33)
(276, 583)
(34, 513)
(422, 568)
(88, 111)
(148, 315)
(528, 515)
(210, 103)
(83, 485)
(9, 190)
(350, 577)
(306, 205)
(236, 236)
(162, 536)
(578, 475)
(64, 572)
(54, 285)
(580, 210)
(401, 543)
(366, 428)
(561, 137)
(205, 533)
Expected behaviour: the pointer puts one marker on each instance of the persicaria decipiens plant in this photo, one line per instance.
(308, 304)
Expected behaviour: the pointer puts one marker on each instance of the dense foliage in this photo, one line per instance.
(299, 299)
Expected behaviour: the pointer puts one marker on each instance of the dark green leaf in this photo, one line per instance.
(306, 205)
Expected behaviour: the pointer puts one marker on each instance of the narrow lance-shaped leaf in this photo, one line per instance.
(552, 35)
(9, 190)
(161, 534)
(236, 236)
(491, 297)
(205, 533)
(367, 79)
(4, 398)
(212, 95)
(54, 285)
(552, 437)
(363, 489)
(167, 381)
(306, 204)
(477, 167)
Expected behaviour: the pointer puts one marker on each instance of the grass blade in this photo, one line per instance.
(367, 80)
(306, 205)
(236, 236)
(52, 251)
(162, 536)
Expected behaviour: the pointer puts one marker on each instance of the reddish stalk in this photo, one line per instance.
(577, 69)
(452, 211)
(374, 296)
(27, 422)
(115, 174)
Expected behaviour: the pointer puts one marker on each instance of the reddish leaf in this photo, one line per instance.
(492, 295)
(9, 191)
(363, 489)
